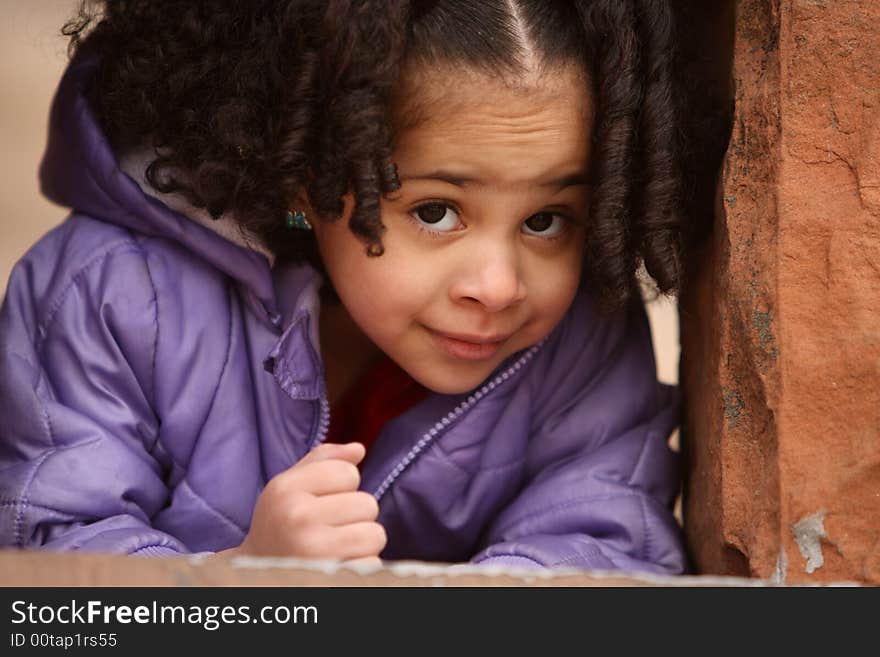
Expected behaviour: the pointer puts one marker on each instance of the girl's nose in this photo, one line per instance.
(491, 277)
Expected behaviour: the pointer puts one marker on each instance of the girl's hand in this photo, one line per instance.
(314, 510)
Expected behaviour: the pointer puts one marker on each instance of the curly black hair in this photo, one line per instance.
(249, 104)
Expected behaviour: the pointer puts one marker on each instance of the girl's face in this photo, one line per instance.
(484, 240)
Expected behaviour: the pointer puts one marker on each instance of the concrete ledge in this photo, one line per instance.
(45, 569)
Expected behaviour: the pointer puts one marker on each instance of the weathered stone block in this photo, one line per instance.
(780, 331)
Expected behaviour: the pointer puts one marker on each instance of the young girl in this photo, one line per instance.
(350, 279)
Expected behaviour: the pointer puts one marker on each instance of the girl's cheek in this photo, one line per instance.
(555, 286)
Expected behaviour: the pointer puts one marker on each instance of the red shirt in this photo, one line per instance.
(382, 393)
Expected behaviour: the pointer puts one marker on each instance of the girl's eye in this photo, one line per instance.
(545, 224)
(436, 217)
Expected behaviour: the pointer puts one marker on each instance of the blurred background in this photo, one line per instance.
(32, 57)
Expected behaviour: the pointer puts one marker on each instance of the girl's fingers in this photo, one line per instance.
(357, 540)
(329, 468)
(370, 562)
(325, 477)
(345, 508)
(350, 452)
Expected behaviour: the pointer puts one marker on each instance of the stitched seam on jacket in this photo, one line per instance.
(42, 507)
(646, 546)
(448, 460)
(50, 433)
(154, 545)
(607, 361)
(210, 508)
(564, 505)
(74, 279)
(650, 436)
(494, 468)
(119, 246)
(222, 373)
(578, 556)
(155, 322)
(480, 469)
(23, 501)
(509, 554)
(116, 247)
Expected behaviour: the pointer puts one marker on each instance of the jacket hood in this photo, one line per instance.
(80, 171)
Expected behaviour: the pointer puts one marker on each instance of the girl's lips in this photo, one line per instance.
(473, 348)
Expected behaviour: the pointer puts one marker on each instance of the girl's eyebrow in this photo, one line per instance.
(561, 182)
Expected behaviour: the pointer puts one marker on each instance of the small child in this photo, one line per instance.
(350, 279)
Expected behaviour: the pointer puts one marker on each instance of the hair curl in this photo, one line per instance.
(250, 104)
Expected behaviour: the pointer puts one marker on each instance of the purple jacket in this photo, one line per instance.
(155, 375)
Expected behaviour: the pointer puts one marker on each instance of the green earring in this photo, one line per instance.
(297, 220)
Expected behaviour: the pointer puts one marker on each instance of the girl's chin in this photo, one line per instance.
(456, 380)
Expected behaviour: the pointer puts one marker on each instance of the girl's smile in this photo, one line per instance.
(468, 347)
(484, 240)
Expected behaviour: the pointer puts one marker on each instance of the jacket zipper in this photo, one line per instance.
(323, 423)
(450, 417)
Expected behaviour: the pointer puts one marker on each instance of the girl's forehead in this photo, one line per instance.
(511, 131)
(427, 93)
